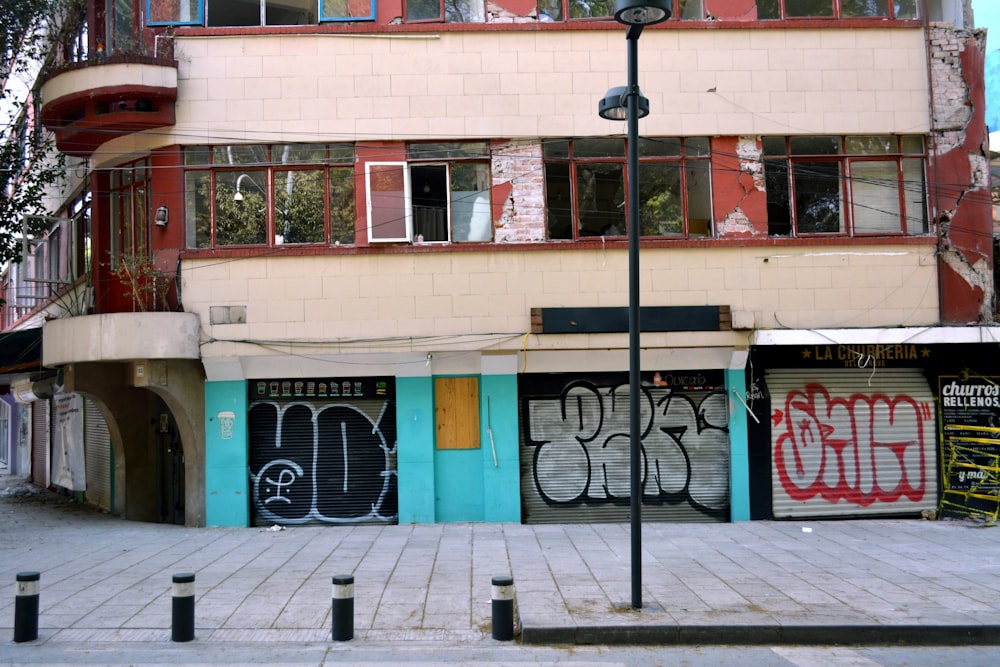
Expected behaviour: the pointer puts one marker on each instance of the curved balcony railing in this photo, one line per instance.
(88, 103)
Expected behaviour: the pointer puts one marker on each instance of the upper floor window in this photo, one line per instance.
(129, 205)
(269, 195)
(845, 185)
(794, 9)
(175, 12)
(442, 193)
(586, 180)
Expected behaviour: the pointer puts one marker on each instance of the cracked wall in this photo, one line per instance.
(959, 174)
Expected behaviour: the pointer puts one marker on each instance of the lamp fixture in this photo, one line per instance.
(642, 12)
(614, 104)
(162, 216)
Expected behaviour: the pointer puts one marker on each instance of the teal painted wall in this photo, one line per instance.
(501, 482)
(458, 485)
(739, 443)
(415, 449)
(227, 499)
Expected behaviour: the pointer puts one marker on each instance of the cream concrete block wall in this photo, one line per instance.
(381, 298)
(484, 84)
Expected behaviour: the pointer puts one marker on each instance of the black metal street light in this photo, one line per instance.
(627, 103)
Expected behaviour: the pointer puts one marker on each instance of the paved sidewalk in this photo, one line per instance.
(763, 582)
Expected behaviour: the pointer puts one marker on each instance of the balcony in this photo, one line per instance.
(121, 337)
(91, 102)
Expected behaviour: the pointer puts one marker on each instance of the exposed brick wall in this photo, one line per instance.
(518, 192)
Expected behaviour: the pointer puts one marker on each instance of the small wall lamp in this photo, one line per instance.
(162, 216)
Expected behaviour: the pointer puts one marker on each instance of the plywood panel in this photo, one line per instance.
(456, 401)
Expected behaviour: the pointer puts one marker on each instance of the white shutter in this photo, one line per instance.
(852, 442)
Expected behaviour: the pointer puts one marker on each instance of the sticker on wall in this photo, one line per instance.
(227, 420)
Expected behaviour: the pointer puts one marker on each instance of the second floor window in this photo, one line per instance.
(793, 9)
(845, 185)
(269, 195)
(441, 194)
(129, 203)
(586, 180)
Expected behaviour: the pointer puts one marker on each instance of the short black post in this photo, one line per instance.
(182, 618)
(26, 607)
(503, 608)
(343, 608)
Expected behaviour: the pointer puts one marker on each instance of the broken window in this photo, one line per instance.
(870, 184)
(586, 181)
(269, 195)
(441, 195)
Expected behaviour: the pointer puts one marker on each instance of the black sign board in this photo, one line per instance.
(970, 445)
(293, 389)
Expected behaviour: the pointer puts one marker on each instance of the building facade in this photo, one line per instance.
(366, 261)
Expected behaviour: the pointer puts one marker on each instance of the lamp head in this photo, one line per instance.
(642, 12)
(614, 104)
(162, 216)
(238, 196)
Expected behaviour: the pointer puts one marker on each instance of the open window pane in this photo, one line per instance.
(430, 202)
(558, 195)
(299, 207)
(240, 208)
(388, 194)
(779, 211)
(875, 197)
(470, 202)
(290, 12)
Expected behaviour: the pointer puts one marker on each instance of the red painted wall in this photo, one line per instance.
(963, 211)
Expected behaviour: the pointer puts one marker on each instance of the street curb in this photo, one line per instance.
(749, 635)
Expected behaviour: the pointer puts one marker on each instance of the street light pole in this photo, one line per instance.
(635, 14)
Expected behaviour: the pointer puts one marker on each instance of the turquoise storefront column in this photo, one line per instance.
(227, 499)
(739, 454)
(499, 427)
(415, 448)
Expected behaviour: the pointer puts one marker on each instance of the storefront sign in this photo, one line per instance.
(970, 418)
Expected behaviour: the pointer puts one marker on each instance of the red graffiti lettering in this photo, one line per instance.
(859, 449)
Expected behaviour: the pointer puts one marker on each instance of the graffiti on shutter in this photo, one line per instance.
(576, 448)
(852, 442)
(324, 460)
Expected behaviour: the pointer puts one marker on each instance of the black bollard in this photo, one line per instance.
(182, 618)
(503, 608)
(26, 607)
(343, 608)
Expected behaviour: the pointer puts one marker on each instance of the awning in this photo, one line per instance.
(20, 351)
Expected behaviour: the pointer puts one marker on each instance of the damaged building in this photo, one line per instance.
(367, 262)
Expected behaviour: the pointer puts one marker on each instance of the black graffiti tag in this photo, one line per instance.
(581, 443)
(329, 463)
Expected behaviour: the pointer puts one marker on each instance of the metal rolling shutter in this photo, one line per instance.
(40, 443)
(852, 442)
(575, 451)
(323, 462)
(97, 449)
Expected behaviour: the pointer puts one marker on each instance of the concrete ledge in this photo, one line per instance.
(120, 337)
